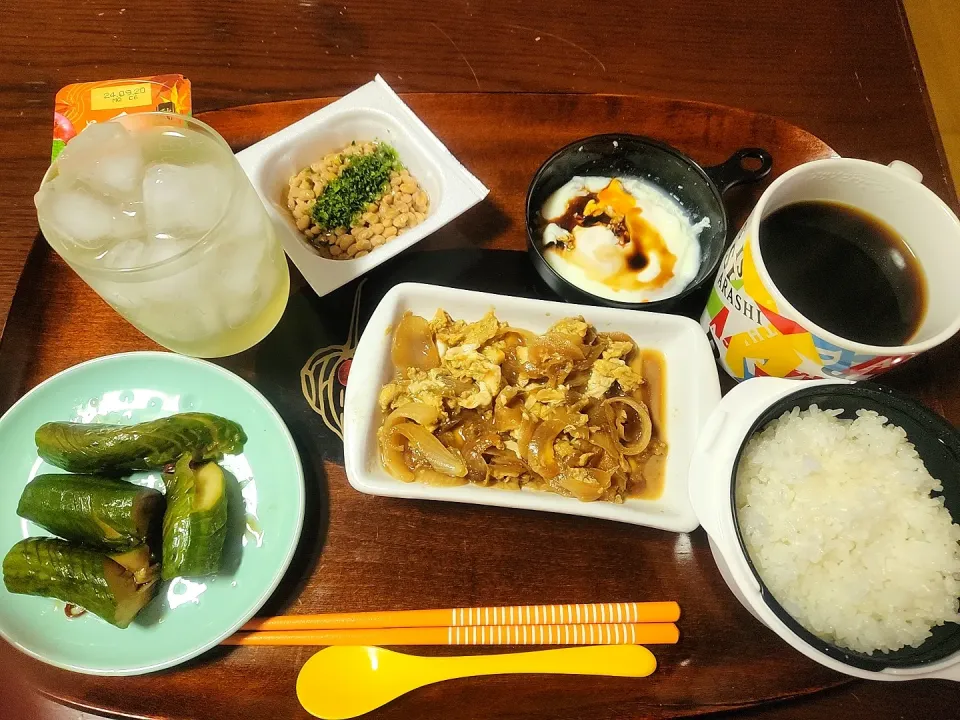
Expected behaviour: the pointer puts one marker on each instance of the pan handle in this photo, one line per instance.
(738, 169)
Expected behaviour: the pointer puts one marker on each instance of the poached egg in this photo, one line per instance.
(622, 239)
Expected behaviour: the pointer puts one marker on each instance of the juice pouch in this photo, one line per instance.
(80, 104)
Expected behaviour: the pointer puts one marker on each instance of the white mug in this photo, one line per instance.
(754, 328)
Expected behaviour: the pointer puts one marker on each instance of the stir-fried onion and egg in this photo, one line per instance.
(494, 405)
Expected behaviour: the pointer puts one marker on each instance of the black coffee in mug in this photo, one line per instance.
(845, 270)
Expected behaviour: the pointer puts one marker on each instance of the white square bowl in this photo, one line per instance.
(371, 112)
(692, 391)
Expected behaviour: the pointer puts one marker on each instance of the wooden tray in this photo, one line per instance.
(364, 553)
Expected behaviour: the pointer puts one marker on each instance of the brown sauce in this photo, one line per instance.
(641, 239)
(573, 215)
(73, 611)
(653, 368)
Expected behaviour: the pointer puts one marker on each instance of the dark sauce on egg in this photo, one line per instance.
(573, 216)
(636, 258)
(637, 261)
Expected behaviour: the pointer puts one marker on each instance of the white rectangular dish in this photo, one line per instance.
(371, 112)
(692, 391)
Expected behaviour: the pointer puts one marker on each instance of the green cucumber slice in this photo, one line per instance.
(50, 567)
(116, 449)
(104, 513)
(195, 522)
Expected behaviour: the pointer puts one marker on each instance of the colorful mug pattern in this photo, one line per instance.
(753, 337)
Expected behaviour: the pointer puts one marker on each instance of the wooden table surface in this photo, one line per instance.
(845, 72)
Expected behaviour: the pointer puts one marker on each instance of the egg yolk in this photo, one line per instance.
(643, 238)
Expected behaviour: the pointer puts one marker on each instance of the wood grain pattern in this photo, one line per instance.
(366, 553)
(846, 73)
(932, 23)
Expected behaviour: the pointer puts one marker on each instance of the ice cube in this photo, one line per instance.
(241, 264)
(182, 307)
(176, 302)
(107, 159)
(184, 200)
(160, 248)
(74, 215)
(125, 255)
(245, 276)
(176, 319)
(201, 321)
(121, 295)
(237, 312)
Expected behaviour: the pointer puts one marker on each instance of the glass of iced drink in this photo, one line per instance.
(154, 212)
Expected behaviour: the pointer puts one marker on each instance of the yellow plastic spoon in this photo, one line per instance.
(350, 680)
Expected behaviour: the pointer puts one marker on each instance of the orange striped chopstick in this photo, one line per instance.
(589, 634)
(587, 613)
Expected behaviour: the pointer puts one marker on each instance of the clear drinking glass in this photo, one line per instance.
(154, 212)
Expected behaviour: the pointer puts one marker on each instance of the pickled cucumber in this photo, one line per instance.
(117, 449)
(104, 513)
(50, 567)
(139, 561)
(195, 522)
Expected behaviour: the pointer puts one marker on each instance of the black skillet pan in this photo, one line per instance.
(699, 190)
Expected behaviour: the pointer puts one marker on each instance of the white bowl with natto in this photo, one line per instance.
(371, 112)
(692, 390)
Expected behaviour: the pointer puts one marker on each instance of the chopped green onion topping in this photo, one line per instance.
(362, 182)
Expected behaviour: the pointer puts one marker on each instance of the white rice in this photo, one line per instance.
(838, 519)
